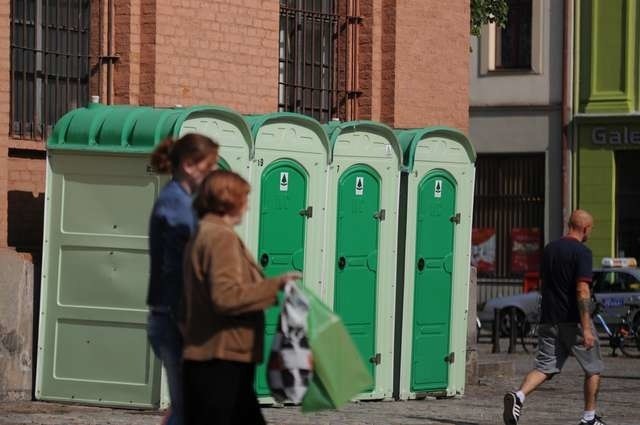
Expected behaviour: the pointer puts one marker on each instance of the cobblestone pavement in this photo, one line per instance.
(557, 402)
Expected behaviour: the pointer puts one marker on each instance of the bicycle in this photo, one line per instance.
(625, 336)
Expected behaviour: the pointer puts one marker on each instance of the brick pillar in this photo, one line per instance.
(365, 59)
(5, 101)
(388, 56)
(147, 81)
(431, 64)
(127, 40)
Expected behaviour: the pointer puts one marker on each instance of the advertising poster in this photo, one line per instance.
(526, 249)
(483, 249)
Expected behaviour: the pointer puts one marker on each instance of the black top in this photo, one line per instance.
(566, 262)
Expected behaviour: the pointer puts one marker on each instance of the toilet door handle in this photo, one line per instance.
(342, 263)
(264, 259)
(421, 264)
(308, 212)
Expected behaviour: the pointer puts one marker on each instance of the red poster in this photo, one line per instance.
(525, 249)
(483, 249)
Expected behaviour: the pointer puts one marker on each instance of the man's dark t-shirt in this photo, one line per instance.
(566, 262)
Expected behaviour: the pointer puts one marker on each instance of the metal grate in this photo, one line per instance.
(50, 63)
(509, 194)
(318, 39)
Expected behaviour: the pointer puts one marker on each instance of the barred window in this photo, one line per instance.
(317, 61)
(49, 63)
(508, 215)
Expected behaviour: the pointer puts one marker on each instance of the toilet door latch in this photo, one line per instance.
(308, 212)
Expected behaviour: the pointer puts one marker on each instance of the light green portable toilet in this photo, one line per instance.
(439, 203)
(361, 245)
(289, 178)
(92, 342)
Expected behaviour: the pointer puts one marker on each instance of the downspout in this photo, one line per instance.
(567, 110)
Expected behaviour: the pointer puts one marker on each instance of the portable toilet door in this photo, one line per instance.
(92, 341)
(287, 205)
(361, 245)
(440, 163)
(232, 134)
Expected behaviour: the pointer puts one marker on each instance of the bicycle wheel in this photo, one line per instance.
(629, 341)
(529, 337)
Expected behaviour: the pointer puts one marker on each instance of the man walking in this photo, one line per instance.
(565, 323)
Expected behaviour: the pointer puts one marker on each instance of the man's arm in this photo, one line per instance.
(583, 295)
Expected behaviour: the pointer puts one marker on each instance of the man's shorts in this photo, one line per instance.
(556, 342)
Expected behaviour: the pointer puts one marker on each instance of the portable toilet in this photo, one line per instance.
(361, 244)
(289, 178)
(92, 342)
(439, 204)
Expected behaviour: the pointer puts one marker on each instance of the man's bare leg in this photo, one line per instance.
(533, 380)
(591, 387)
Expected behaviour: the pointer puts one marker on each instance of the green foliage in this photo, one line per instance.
(488, 11)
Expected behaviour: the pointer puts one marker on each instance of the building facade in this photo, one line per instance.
(606, 124)
(404, 63)
(515, 111)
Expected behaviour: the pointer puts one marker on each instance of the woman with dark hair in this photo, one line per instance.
(225, 295)
(189, 160)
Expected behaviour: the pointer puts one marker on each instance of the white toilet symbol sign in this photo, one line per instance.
(359, 186)
(284, 181)
(437, 189)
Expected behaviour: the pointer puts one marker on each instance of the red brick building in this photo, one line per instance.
(401, 62)
(404, 63)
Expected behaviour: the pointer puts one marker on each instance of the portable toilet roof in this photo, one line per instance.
(410, 139)
(258, 122)
(131, 129)
(336, 129)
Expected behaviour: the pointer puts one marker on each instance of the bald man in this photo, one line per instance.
(565, 320)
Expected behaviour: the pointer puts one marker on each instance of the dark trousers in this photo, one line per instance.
(220, 392)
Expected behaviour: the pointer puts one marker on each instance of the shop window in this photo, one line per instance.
(517, 47)
(627, 201)
(317, 52)
(508, 215)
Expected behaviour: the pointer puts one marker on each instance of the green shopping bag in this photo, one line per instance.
(338, 371)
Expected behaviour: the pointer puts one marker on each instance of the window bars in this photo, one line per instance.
(509, 194)
(318, 63)
(50, 63)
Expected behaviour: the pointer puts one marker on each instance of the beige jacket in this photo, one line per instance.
(224, 296)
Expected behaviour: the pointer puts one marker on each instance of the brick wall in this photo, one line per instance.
(218, 52)
(4, 117)
(25, 199)
(413, 57)
(431, 63)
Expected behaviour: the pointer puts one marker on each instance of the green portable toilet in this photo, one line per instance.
(361, 245)
(439, 200)
(289, 176)
(92, 342)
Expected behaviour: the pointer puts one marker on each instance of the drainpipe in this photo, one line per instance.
(567, 110)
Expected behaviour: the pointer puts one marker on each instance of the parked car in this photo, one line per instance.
(616, 283)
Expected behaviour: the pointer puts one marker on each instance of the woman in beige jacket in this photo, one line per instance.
(225, 295)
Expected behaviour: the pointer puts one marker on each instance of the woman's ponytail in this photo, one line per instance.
(161, 157)
(168, 155)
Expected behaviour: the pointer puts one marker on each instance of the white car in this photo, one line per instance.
(614, 285)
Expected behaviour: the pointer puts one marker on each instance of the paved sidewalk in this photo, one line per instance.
(557, 402)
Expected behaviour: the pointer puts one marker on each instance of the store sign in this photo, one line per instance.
(615, 136)
(526, 247)
(483, 249)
